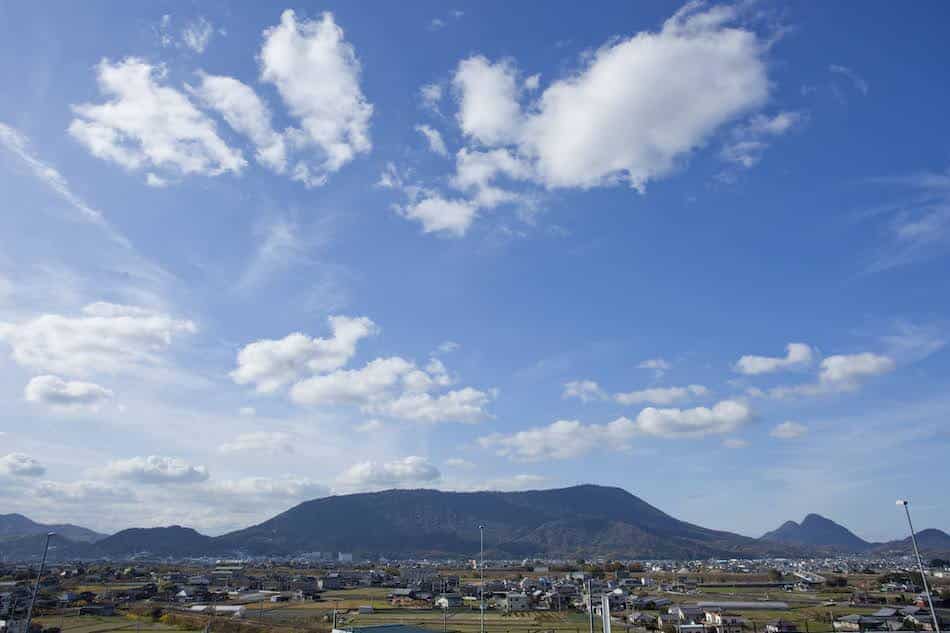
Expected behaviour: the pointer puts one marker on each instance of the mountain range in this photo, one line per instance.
(584, 520)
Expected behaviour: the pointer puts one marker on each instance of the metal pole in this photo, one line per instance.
(920, 565)
(36, 585)
(481, 570)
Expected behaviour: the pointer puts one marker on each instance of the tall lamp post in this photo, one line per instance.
(481, 573)
(36, 585)
(920, 564)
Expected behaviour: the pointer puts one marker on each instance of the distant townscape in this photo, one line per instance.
(582, 558)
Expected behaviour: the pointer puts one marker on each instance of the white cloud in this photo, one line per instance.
(370, 426)
(149, 124)
(395, 387)
(271, 442)
(447, 347)
(458, 462)
(436, 214)
(563, 439)
(271, 364)
(859, 82)
(659, 365)
(20, 465)
(156, 470)
(83, 492)
(266, 490)
(645, 101)
(247, 412)
(197, 34)
(533, 82)
(749, 141)
(460, 405)
(489, 110)
(56, 392)
(635, 110)
(107, 338)
(475, 172)
(842, 372)
(278, 247)
(789, 430)
(848, 369)
(433, 138)
(661, 395)
(317, 74)
(411, 470)
(724, 417)
(244, 111)
(431, 96)
(583, 390)
(734, 442)
(797, 355)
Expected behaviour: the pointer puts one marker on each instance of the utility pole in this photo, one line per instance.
(590, 606)
(920, 565)
(481, 570)
(36, 585)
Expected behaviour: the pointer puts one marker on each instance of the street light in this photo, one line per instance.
(36, 585)
(920, 564)
(481, 572)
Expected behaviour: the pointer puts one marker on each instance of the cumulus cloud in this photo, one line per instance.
(797, 355)
(246, 113)
(661, 395)
(105, 338)
(148, 124)
(20, 465)
(583, 390)
(431, 95)
(56, 392)
(437, 214)
(848, 369)
(317, 74)
(411, 470)
(724, 417)
(489, 111)
(271, 442)
(272, 364)
(563, 439)
(841, 372)
(398, 388)
(434, 139)
(789, 430)
(636, 108)
(156, 470)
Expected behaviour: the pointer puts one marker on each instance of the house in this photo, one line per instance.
(719, 622)
(858, 622)
(782, 626)
(449, 601)
(513, 601)
(690, 628)
(639, 618)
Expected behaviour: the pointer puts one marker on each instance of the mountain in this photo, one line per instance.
(581, 520)
(14, 526)
(931, 541)
(162, 542)
(815, 531)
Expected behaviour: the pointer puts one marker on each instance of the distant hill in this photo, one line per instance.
(581, 520)
(560, 523)
(815, 531)
(14, 526)
(931, 541)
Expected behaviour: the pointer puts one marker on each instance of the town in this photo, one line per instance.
(323, 593)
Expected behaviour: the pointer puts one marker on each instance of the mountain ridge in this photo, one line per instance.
(583, 521)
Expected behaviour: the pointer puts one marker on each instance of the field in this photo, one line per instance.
(99, 624)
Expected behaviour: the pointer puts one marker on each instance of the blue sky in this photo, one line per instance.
(253, 257)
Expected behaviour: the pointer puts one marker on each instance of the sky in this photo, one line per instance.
(256, 254)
